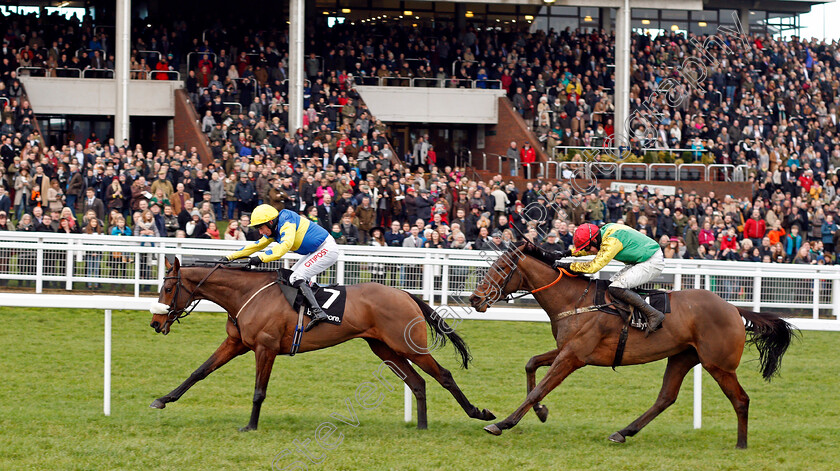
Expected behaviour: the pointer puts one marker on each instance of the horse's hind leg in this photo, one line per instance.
(265, 361)
(414, 381)
(564, 364)
(728, 382)
(531, 375)
(678, 366)
(428, 364)
(228, 350)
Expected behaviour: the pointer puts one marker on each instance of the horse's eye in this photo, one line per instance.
(168, 290)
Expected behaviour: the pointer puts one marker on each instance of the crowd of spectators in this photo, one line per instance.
(339, 171)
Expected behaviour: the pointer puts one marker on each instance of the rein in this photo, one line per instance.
(562, 272)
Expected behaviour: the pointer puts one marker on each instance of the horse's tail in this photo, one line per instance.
(771, 336)
(441, 331)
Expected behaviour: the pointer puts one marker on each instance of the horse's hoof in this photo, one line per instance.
(487, 415)
(617, 438)
(247, 428)
(542, 412)
(493, 429)
(157, 404)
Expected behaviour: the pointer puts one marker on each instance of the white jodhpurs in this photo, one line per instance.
(312, 265)
(632, 276)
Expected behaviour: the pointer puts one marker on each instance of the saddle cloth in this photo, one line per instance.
(657, 298)
(332, 299)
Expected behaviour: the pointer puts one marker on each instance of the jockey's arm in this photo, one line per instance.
(610, 247)
(249, 249)
(276, 250)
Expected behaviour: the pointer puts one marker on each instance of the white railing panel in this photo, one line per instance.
(135, 265)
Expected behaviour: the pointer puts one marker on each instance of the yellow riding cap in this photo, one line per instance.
(263, 214)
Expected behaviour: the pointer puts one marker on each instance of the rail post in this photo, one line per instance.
(39, 266)
(698, 396)
(339, 268)
(106, 400)
(68, 268)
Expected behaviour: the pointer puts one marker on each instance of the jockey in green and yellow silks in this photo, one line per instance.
(642, 256)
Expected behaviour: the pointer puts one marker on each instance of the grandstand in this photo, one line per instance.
(425, 137)
(454, 117)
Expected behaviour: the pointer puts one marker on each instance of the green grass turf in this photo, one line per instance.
(51, 408)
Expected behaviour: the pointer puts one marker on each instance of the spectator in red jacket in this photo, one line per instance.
(755, 228)
(729, 240)
(527, 155)
(806, 180)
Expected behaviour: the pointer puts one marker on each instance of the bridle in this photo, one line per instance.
(180, 313)
(510, 296)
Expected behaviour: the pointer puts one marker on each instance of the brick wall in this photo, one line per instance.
(186, 128)
(511, 127)
(736, 189)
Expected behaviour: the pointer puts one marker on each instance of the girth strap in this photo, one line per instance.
(622, 342)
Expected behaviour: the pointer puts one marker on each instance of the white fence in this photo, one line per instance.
(131, 265)
(443, 277)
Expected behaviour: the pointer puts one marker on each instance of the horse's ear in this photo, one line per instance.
(171, 261)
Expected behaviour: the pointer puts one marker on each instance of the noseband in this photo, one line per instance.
(176, 314)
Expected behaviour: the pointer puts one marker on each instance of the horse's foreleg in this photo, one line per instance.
(228, 350)
(728, 382)
(408, 374)
(265, 361)
(678, 366)
(564, 364)
(531, 376)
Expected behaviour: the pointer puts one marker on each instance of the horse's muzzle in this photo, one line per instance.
(478, 303)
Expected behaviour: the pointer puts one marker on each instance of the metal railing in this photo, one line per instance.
(153, 72)
(514, 166)
(66, 262)
(234, 103)
(108, 72)
(147, 74)
(151, 53)
(428, 82)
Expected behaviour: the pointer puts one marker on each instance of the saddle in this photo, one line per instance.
(659, 299)
(331, 298)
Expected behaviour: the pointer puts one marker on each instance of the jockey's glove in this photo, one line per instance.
(255, 261)
(224, 259)
(566, 266)
(563, 253)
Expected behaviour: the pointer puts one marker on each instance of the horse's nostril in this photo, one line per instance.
(155, 324)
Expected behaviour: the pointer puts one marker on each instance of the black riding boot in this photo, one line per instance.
(653, 316)
(317, 313)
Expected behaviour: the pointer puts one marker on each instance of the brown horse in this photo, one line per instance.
(260, 319)
(702, 328)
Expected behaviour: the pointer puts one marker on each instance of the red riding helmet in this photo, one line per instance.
(585, 234)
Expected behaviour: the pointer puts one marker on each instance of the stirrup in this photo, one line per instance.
(659, 316)
(318, 315)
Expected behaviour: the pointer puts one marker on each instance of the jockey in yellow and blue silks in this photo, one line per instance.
(285, 231)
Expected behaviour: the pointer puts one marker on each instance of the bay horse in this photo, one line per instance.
(701, 328)
(261, 319)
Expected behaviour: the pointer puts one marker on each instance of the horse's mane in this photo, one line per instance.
(527, 248)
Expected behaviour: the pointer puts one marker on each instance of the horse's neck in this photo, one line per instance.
(563, 296)
(223, 289)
